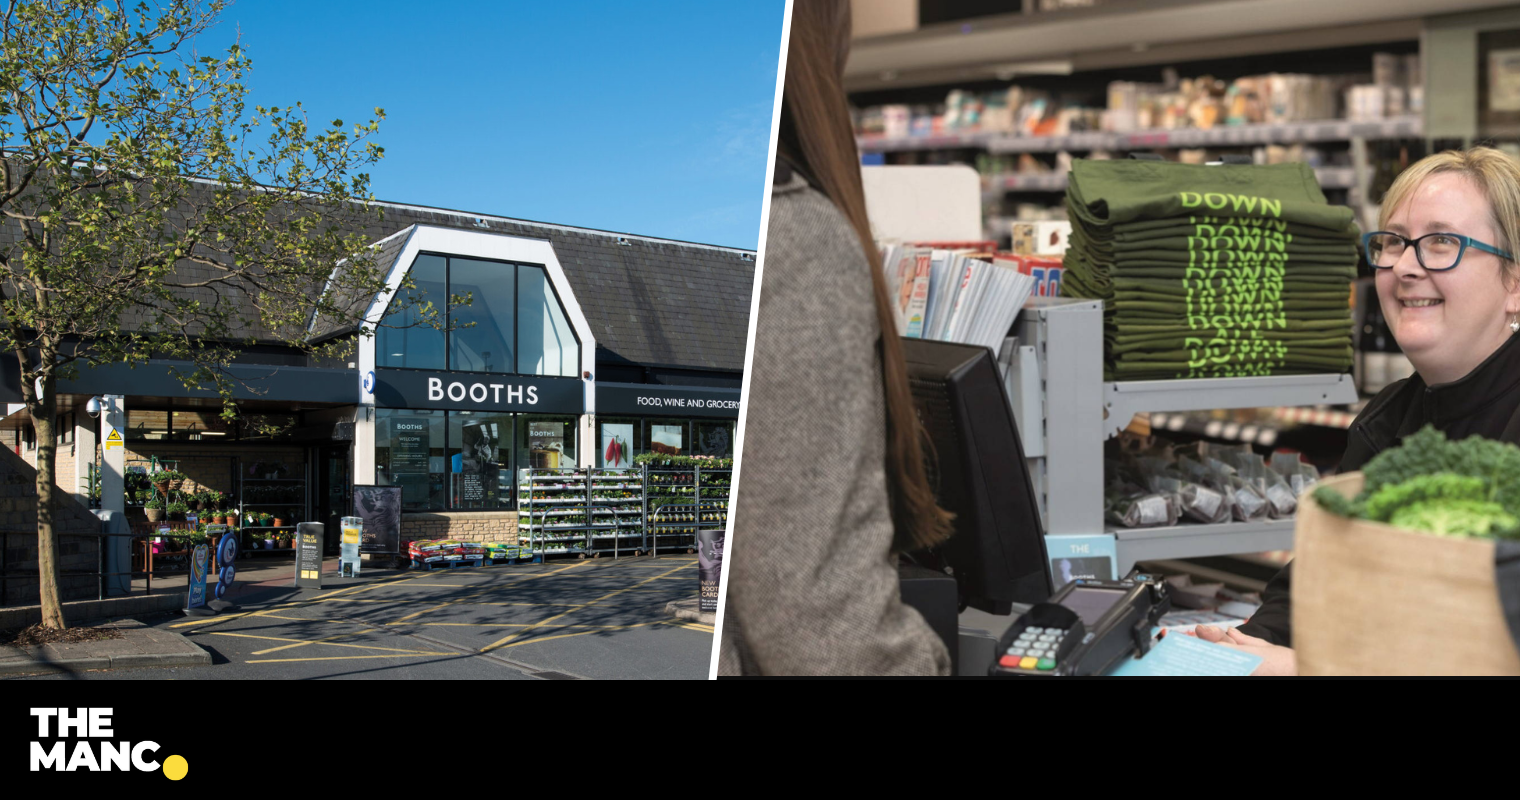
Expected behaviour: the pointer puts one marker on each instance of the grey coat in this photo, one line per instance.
(812, 588)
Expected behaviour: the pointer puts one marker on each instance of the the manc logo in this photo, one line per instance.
(84, 740)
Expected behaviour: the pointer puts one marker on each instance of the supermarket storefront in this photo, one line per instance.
(453, 415)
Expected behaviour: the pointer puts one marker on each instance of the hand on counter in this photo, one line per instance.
(1276, 660)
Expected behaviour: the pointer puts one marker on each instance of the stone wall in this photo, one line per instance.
(78, 551)
(480, 526)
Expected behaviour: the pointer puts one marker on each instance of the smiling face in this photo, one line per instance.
(1448, 322)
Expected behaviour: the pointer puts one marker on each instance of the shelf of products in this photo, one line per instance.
(257, 492)
(574, 499)
(1122, 400)
(675, 499)
(1402, 127)
(1064, 389)
(1329, 178)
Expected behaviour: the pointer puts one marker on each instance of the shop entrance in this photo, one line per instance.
(334, 491)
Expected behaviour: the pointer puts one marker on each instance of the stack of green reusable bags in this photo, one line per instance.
(1211, 271)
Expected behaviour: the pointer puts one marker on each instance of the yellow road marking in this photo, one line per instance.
(517, 625)
(504, 642)
(317, 641)
(347, 658)
(225, 617)
(537, 639)
(459, 600)
(310, 619)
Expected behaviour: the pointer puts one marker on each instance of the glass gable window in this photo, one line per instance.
(546, 343)
(482, 339)
(403, 340)
(514, 323)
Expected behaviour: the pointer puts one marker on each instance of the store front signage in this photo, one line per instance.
(650, 400)
(474, 391)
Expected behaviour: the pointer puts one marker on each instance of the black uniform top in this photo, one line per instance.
(1484, 403)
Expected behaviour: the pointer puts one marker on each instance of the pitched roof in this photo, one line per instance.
(654, 302)
(650, 301)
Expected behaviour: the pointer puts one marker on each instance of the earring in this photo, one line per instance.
(1514, 324)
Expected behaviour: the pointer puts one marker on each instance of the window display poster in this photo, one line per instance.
(713, 440)
(1504, 80)
(546, 444)
(478, 446)
(617, 445)
(409, 445)
(667, 439)
(380, 509)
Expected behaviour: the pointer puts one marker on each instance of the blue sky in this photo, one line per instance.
(640, 117)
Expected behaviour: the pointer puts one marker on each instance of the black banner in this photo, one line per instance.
(639, 399)
(309, 555)
(474, 391)
(380, 508)
(709, 567)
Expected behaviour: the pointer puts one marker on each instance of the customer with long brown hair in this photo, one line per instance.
(832, 483)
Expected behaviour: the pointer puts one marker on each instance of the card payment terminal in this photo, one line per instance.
(1084, 629)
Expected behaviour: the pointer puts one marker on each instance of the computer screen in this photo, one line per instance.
(979, 472)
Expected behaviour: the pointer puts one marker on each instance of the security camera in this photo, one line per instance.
(93, 407)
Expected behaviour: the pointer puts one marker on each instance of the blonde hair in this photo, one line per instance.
(1496, 174)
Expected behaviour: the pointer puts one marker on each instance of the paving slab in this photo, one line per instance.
(140, 646)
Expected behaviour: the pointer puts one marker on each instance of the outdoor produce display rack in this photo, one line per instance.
(580, 511)
(680, 500)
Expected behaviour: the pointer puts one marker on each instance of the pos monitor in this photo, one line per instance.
(978, 472)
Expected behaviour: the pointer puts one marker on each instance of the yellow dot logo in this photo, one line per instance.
(175, 767)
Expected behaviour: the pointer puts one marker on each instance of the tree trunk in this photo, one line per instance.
(43, 412)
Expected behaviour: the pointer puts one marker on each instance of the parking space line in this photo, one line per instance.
(516, 625)
(461, 599)
(537, 639)
(504, 642)
(416, 654)
(299, 644)
(309, 619)
(319, 641)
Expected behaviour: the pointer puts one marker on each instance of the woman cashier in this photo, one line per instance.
(1450, 290)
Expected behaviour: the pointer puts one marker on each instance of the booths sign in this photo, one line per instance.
(473, 391)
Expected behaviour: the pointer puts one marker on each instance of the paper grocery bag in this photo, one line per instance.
(1370, 599)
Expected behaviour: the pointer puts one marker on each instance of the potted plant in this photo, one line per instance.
(177, 509)
(285, 539)
(154, 508)
(279, 522)
(266, 519)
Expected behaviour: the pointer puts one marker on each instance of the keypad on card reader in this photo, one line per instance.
(1034, 649)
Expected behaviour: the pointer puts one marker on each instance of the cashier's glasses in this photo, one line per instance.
(1436, 252)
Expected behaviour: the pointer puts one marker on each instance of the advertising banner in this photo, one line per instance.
(380, 509)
